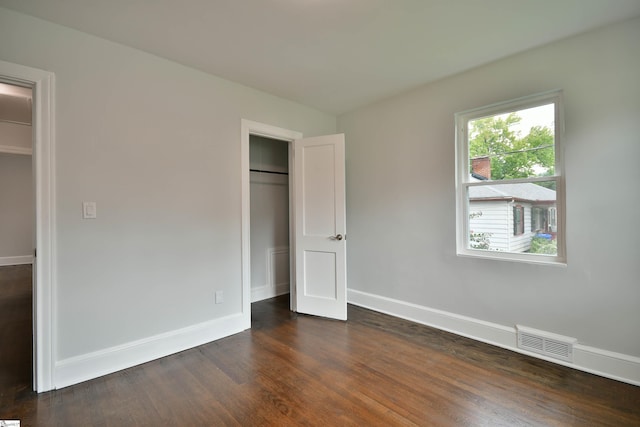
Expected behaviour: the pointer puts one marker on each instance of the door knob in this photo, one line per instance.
(339, 237)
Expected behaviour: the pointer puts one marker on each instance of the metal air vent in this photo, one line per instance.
(546, 343)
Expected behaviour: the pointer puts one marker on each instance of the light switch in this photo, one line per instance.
(89, 210)
(219, 297)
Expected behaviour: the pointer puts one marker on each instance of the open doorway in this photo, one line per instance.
(43, 286)
(16, 236)
(269, 232)
(267, 135)
(317, 218)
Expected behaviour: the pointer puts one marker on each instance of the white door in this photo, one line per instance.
(320, 226)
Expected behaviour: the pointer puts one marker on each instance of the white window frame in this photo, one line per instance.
(552, 216)
(463, 178)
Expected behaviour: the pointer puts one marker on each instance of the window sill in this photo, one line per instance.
(514, 257)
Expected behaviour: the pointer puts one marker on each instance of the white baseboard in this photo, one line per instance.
(96, 364)
(597, 361)
(266, 292)
(16, 260)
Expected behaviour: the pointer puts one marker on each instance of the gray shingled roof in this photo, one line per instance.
(524, 191)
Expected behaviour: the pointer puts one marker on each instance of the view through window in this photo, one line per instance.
(508, 180)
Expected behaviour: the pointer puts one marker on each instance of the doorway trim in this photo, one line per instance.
(44, 318)
(249, 128)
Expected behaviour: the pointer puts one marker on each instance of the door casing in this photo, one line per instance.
(249, 128)
(43, 125)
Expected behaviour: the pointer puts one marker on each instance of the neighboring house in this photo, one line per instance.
(510, 214)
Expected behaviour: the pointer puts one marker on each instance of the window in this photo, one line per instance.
(518, 220)
(509, 183)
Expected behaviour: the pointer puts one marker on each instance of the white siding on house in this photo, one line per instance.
(497, 220)
(494, 220)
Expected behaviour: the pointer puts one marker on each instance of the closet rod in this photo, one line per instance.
(264, 171)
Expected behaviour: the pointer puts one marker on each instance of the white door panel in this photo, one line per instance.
(320, 224)
(320, 270)
(318, 190)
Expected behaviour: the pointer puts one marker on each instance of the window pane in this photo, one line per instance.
(517, 218)
(519, 144)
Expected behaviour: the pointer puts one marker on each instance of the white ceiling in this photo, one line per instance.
(334, 55)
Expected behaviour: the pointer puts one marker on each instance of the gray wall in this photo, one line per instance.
(16, 205)
(15, 135)
(401, 195)
(157, 146)
(16, 183)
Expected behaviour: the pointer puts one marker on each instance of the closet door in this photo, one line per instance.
(320, 226)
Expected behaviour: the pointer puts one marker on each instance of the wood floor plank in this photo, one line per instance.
(292, 370)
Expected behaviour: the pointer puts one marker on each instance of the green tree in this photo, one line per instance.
(512, 156)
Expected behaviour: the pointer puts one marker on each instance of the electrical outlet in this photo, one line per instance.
(219, 297)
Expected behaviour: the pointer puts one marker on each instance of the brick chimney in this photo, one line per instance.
(481, 166)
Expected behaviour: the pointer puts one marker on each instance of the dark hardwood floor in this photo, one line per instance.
(15, 331)
(301, 370)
